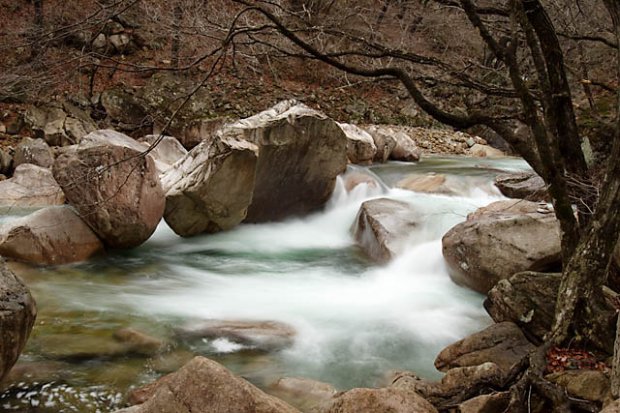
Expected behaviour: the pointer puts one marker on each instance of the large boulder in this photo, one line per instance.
(384, 141)
(383, 226)
(52, 235)
(17, 314)
(30, 186)
(391, 399)
(361, 148)
(301, 153)
(33, 151)
(523, 185)
(211, 188)
(405, 149)
(503, 344)
(114, 138)
(115, 190)
(204, 386)
(500, 240)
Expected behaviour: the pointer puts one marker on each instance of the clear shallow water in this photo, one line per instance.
(354, 321)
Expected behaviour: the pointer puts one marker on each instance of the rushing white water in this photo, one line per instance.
(355, 321)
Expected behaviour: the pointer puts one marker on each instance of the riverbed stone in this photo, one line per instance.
(523, 185)
(584, 384)
(500, 240)
(393, 400)
(210, 189)
(485, 151)
(17, 315)
(33, 151)
(384, 141)
(383, 226)
(503, 344)
(361, 148)
(486, 403)
(307, 393)
(301, 152)
(432, 183)
(115, 191)
(139, 341)
(204, 386)
(262, 335)
(50, 236)
(31, 186)
(527, 299)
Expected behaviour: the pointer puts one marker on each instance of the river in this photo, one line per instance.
(355, 321)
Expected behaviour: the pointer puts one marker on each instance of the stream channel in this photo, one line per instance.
(355, 321)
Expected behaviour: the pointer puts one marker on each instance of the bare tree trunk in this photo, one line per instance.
(38, 29)
(176, 35)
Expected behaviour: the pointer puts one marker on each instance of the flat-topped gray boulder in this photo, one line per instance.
(31, 186)
(204, 386)
(115, 191)
(361, 148)
(17, 314)
(300, 154)
(383, 226)
(210, 189)
(49, 236)
(503, 344)
(500, 240)
(523, 185)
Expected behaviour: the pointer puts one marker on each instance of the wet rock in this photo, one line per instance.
(503, 344)
(204, 386)
(30, 372)
(262, 335)
(50, 236)
(17, 314)
(382, 227)
(434, 184)
(485, 151)
(305, 392)
(301, 152)
(139, 341)
(168, 150)
(527, 299)
(353, 179)
(523, 185)
(361, 148)
(393, 400)
(33, 151)
(210, 189)
(584, 384)
(30, 186)
(487, 403)
(115, 191)
(384, 141)
(500, 240)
